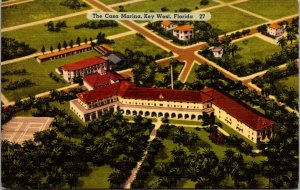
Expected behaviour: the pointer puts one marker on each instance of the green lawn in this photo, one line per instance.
(272, 9)
(109, 2)
(98, 178)
(229, 1)
(37, 36)
(34, 11)
(136, 43)
(254, 48)
(291, 81)
(193, 75)
(185, 122)
(172, 5)
(227, 19)
(38, 73)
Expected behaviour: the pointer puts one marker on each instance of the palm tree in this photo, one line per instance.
(291, 36)
(282, 42)
(233, 48)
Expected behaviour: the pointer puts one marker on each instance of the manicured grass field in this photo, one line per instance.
(185, 122)
(227, 19)
(34, 11)
(109, 2)
(98, 178)
(228, 1)
(172, 5)
(254, 48)
(291, 81)
(38, 73)
(192, 76)
(136, 43)
(37, 36)
(272, 9)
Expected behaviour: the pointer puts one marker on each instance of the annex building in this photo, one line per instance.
(82, 68)
(173, 104)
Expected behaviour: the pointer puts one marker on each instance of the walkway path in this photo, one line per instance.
(135, 170)
(14, 2)
(267, 39)
(6, 102)
(44, 21)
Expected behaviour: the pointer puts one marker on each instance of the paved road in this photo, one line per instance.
(186, 54)
(14, 2)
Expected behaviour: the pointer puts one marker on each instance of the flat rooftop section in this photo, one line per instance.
(20, 129)
(64, 51)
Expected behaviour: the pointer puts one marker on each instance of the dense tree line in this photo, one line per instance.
(268, 84)
(97, 24)
(15, 72)
(12, 49)
(22, 83)
(56, 27)
(73, 4)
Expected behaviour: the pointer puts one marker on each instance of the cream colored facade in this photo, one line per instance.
(70, 75)
(183, 35)
(275, 31)
(146, 108)
(242, 128)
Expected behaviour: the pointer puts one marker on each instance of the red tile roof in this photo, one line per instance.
(97, 80)
(84, 63)
(184, 28)
(275, 26)
(166, 23)
(241, 112)
(85, 46)
(128, 90)
(104, 92)
(163, 94)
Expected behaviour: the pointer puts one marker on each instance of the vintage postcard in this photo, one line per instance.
(149, 94)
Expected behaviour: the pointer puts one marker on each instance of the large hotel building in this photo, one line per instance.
(173, 104)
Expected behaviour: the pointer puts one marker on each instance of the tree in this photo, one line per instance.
(85, 40)
(59, 46)
(65, 45)
(233, 48)
(43, 49)
(291, 36)
(71, 43)
(50, 25)
(78, 40)
(282, 42)
(204, 2)
(51, 49)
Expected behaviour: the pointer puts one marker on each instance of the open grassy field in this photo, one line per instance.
(98, 178)
(192, 76)
(254, 48)
(291, 81)
(109, 2)
(185, 122)
(137, 43)
(38, 73)
(272, 9)
(220, 18)
(37, 36)
(34, 11)
(229, 1)
(172, 5)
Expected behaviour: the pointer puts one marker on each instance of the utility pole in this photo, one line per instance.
(172, 82)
